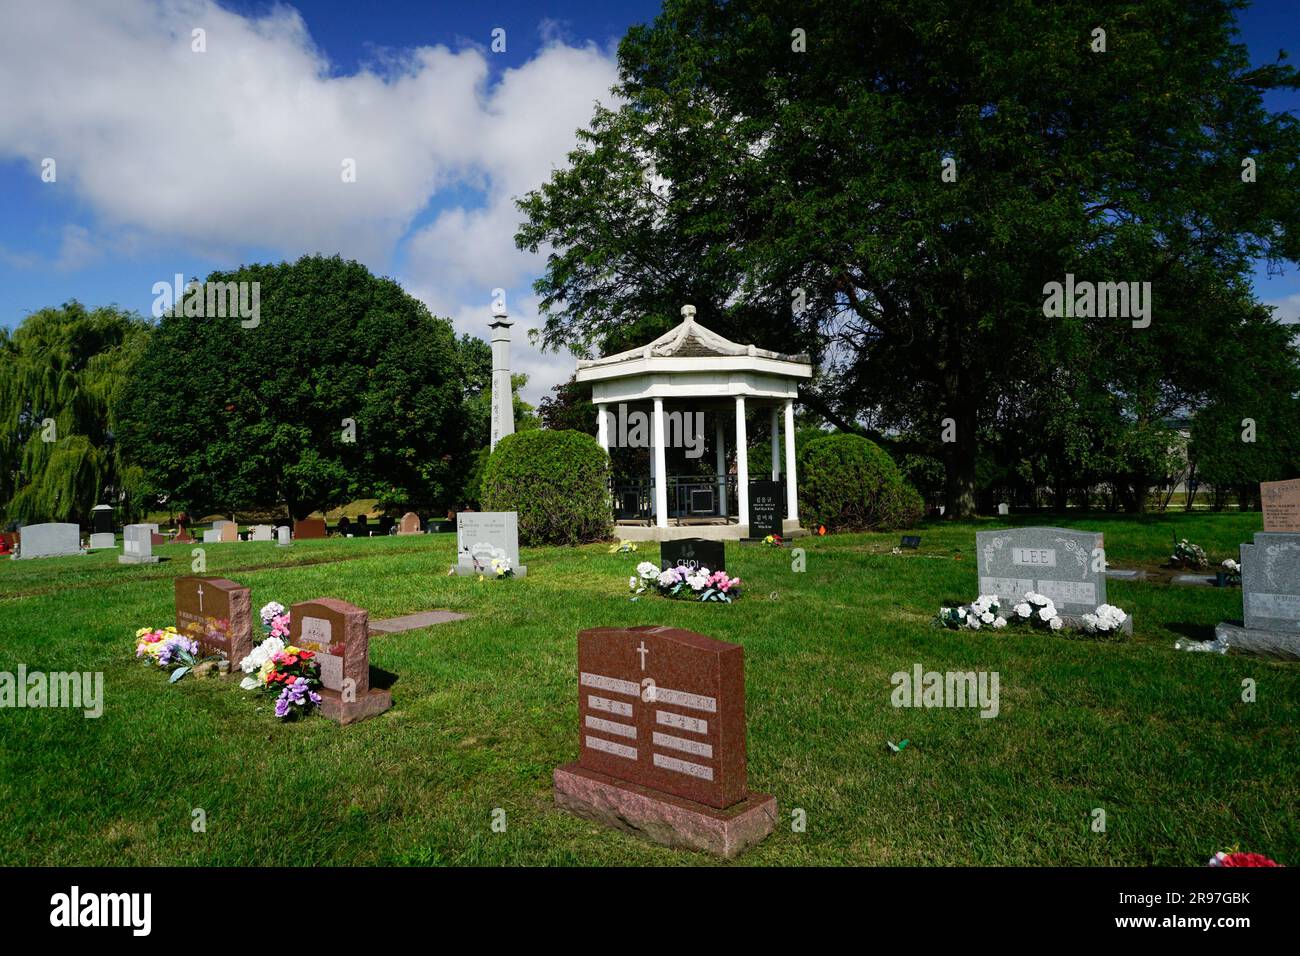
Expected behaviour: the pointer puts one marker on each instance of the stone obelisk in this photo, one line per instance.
(503, 407)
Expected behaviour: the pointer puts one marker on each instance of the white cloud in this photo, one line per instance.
(241, 147)
(1287, 309)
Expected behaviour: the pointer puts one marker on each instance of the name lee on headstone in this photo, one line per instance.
(1055, 562)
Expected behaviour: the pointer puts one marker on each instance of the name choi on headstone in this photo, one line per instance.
(692, 553)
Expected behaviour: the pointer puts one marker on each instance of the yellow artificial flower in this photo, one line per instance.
(142, 632)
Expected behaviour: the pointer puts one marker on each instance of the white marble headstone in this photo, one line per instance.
(49, 540)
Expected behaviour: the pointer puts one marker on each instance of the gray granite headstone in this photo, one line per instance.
(283, 536)
(484, 535)
(212, 536)
(1056, 562)
(137, 545)
(1270, 581)
(1270, 598)
(50, 540)
(261, 532)
(102, 539)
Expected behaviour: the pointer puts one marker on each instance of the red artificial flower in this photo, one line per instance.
(306, 655)
(1247, 859)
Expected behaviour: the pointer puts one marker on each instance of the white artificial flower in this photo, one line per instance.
(1047, 613)
(631, 583)
(999, 622)
(647, 570)
(261, 654)
(1022, 609)
(1055, 623)
(973, 623)
(667, 578)
(986, 618)
(699, 580)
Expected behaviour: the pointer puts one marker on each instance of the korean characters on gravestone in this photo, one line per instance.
(661, 740)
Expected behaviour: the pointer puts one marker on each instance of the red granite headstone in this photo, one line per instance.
(339, 634)
(218, 614)
(410, 523)
(1280, 501)
(183, 535)
(664, 708)
(661, 740)
(309, 528)
(156, 538)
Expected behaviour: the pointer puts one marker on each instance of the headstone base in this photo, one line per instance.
(1278, 645)
(137, 559)
(662, 818)
(344, 712)
(520, 572)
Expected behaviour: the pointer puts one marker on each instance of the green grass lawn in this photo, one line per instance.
(485, 708)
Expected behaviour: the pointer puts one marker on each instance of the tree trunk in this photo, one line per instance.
(959, 455)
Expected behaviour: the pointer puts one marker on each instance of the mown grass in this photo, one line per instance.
(486, 708)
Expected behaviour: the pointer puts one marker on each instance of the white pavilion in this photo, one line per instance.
(659, 395)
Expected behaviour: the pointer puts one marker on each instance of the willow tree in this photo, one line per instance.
(60, 371)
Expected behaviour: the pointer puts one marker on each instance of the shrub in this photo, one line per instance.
(849, 484)
(558, 482)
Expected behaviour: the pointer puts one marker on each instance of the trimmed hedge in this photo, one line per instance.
(558, 482)
(850, 484)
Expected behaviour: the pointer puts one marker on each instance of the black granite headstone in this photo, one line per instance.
(764, 508)
(693, 553)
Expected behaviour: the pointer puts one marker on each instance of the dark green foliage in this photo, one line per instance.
(65, 366)
(558, 482)
(850, 484)
(223, 416)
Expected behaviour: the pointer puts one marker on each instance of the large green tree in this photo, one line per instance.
(889, 185)
(345, 387)
(60, 371)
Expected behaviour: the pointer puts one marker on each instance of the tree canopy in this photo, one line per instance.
(345, 387)
(892, 185)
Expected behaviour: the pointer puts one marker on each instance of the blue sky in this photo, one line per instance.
(172, 162)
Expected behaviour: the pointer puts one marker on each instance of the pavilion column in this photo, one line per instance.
(791, 495)
(602, 427)
(776, 447)
(660, 467)
(721, 446)
(742, 463)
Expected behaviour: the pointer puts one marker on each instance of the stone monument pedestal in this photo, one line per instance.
(663, 818)
(1262, 642)
(369, 703)
(464, 572)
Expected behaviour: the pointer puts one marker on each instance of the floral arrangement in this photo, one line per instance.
(1188, 555)
(270, 611)
(290, 670)
(1107, 619)
(1229, 572)
(501, 567)
(1039, 611)
(258, 663)
(623, 547)
(772, 541)
(984, 611)
(1234, 857)
(168, 648)
(698, 584)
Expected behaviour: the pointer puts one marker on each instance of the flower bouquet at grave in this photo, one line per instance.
(986, 611)
(1188, 555)
(169, 649)
(1235, 857)
(687, 584)
(1229, 574)
(623, 547)
(1107, 621)
(1037, 611)
(772, 541)
(294, 673)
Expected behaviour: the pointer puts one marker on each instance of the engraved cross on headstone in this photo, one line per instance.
(643, 651)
